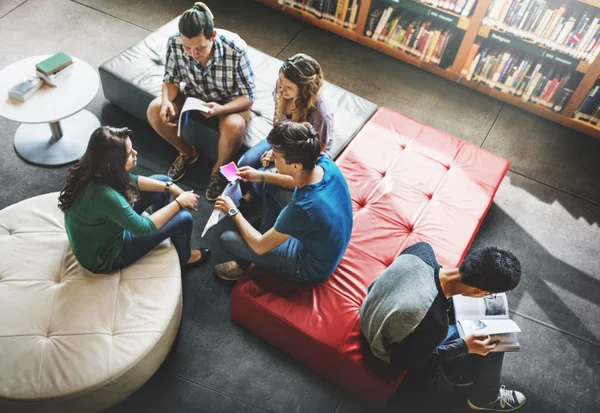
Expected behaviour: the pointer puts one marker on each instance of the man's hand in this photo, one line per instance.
(266, 158)
(188, 200)
(215, 109)
(248, 174)
(168, 113)
(224, 204)
(480, 344)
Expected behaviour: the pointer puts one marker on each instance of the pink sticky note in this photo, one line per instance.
(229, 171)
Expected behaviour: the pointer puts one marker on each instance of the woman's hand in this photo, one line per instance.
(249, 174)
(266, 158)
(480, 344)
(175, 191)
(224, 204)
(188, 200)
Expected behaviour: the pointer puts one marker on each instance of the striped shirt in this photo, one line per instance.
(227, 75)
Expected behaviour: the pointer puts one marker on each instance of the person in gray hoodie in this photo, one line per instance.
(406, 320)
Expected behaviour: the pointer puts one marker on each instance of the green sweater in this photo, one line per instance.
(96, 224)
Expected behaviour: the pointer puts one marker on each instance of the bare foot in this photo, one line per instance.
(196, 256)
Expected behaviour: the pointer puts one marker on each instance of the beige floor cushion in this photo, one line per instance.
(72, 341)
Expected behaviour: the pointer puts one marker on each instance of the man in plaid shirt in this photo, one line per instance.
(215, 68)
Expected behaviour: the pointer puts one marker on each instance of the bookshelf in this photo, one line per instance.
(529, 47)
(453, 19)
(472, 29)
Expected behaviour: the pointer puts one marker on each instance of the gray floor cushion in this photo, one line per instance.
(133, 78)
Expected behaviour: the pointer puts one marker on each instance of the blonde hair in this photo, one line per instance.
(306, 73)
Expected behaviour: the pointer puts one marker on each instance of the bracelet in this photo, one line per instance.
(262, 177)
(180, 207)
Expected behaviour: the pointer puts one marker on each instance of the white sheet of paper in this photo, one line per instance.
(233, 191)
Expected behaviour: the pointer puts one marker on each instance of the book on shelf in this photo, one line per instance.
(531, 78)
(589, 110)
(342, 12)
(487, 316)
(462, 7)
(573, 30)
(428, 39)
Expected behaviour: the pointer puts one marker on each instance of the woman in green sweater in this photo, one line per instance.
(102, 203)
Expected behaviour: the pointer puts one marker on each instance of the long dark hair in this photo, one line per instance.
(306, 73)
(103, 161)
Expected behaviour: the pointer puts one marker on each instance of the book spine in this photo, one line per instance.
(470, 58)
(474, 64)
(467, 9)
(560, 100)
(586, 37)
(479, 66)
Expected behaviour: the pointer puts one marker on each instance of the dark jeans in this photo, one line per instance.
(485, 371)
(178, 228)
(283, 259)
(274, 198)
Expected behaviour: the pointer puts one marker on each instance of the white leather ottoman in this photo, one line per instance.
(72, 341)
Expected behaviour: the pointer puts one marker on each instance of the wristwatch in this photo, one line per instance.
(168, 185)
(233, 211)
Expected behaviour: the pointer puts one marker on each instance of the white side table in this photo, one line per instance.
(55, 130)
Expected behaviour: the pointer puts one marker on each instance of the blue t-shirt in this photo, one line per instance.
(319, 216)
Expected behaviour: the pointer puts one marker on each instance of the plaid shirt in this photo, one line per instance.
(227, 75)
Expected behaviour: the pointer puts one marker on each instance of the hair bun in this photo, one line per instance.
(199, 6)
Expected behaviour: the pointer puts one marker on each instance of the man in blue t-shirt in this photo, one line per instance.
(310, 234)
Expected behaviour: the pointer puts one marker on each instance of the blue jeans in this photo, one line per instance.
(274, 198)
(178, 228)
(284, 259)
(484, 370)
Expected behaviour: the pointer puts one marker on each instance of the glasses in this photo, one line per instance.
(492, 296)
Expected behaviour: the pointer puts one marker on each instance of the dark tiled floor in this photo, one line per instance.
(547, 211)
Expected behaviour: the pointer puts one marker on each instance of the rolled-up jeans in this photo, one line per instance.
(178, 228)
(284, 259)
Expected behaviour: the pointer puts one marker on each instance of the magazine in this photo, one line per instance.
(190, 105)
(487, 316)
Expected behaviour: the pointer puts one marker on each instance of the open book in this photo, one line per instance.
(190, 105)
(487, 316)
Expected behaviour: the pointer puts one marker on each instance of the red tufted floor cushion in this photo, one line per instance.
(409, 183)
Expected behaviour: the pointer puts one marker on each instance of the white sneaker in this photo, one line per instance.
(507, 401)
(229, 271)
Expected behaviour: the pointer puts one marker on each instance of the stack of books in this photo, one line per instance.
(533, 79)
(54, 68)
(342, 12)
(589, 111)
(573, 30)
(424, 37)
(47, 71)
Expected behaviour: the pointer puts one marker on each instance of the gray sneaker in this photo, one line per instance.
(507, 401)
(229, 271)
(178, 168)
(216, 185)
